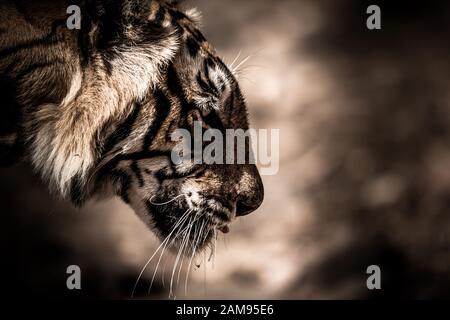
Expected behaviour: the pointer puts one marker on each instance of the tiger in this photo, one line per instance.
(92, 110)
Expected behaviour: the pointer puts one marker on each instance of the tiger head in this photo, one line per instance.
(142, 71)
(189, 201)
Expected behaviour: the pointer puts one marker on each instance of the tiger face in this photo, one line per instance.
(97, 108)
(183, 202)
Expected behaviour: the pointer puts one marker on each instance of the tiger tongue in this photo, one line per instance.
(224, 229)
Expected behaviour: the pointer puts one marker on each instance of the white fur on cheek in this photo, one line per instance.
(54, 165)
(190, 190)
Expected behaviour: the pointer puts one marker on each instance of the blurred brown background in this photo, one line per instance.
(364, 119)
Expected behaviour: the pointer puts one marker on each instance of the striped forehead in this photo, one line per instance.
(212, 77)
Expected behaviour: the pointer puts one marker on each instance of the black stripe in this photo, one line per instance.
(159, 16)
(162, 110)
(173, 82)
(210, 83)
(193, 47)
(195, 171)
(222, 84)
(210, 63)
(123, 130)
(177, 15)
(137, 172)
(175, 89)
(110, 167)
(213, 120)
(203, 85)
(198, 35)
(160, 175)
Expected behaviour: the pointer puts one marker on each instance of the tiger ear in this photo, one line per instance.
(194, 15)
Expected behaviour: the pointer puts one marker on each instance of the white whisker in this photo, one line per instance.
(183, 217)
(185, 246)
(175, 266)
(235, 59)
(156, 251)
(145, 266)
(197, 238)
(235, 69)
(163, 203)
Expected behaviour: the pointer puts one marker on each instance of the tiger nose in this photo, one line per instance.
(249, 201)
(244, 208)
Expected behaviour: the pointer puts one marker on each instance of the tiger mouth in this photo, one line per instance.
(224, 229)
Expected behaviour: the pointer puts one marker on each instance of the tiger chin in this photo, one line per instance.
(92, 110)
